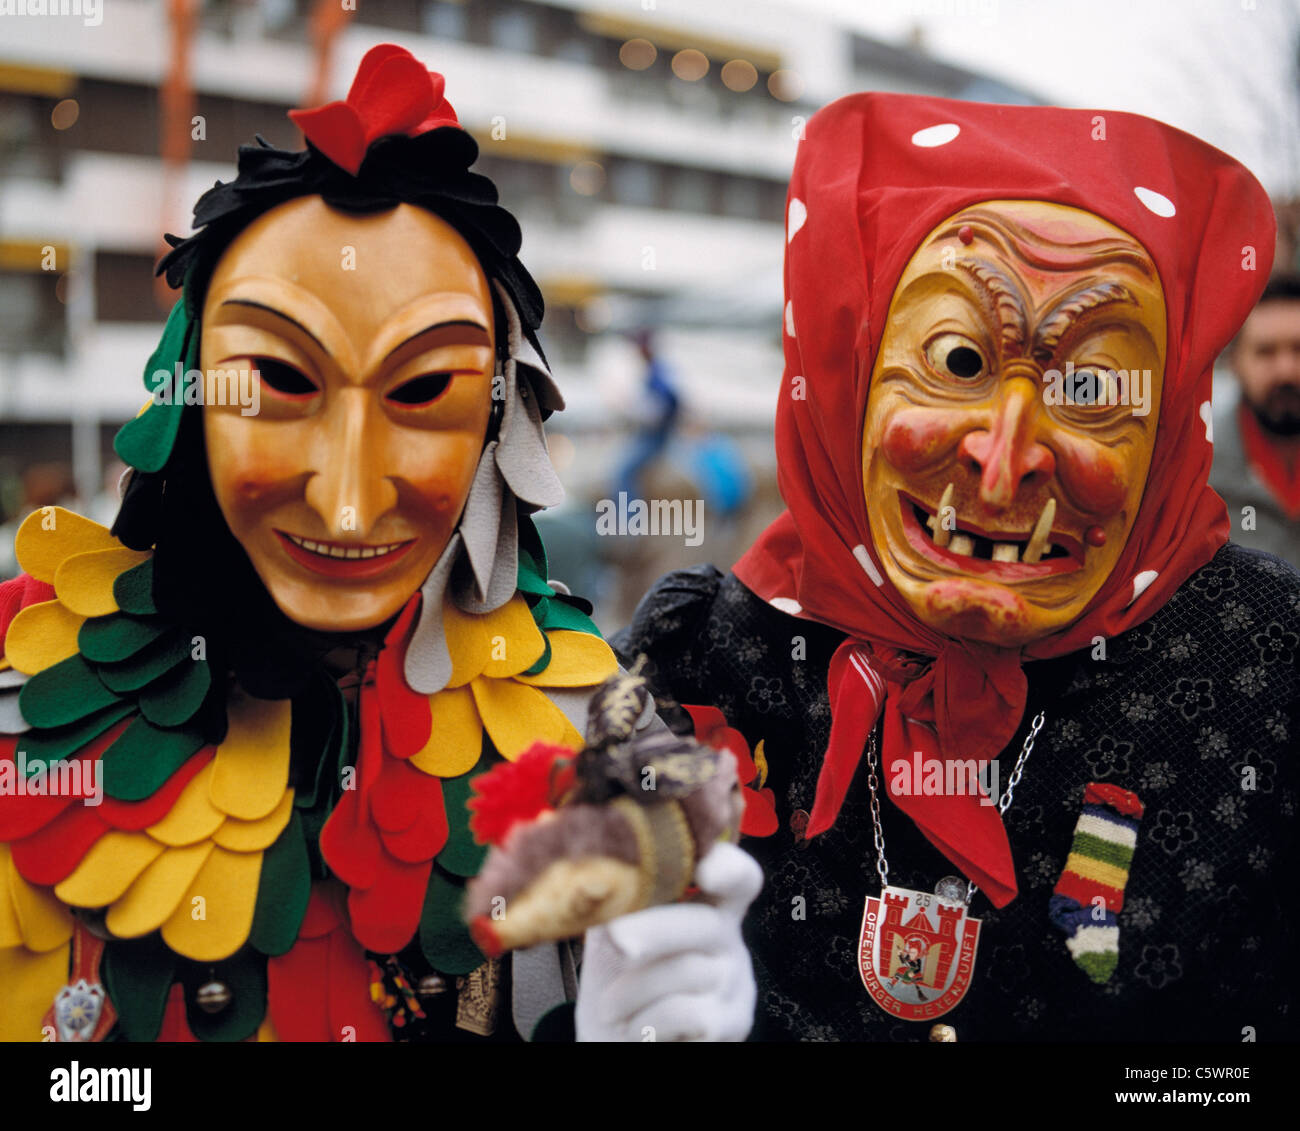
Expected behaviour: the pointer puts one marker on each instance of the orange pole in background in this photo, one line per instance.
(176, 112)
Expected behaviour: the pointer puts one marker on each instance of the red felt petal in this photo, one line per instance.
(443, 114)
(386, 915)
(51, 854)
(426, 837)
(395, 99)
(351, 1010)
(336, 131)
(706, 720)
(349, 844)
(760, 813)
(294, 991)
(394, 804)
(369, 66)
(730, 739)
(175, 1025)
(324, 911)
(404, 713)
(132, 816)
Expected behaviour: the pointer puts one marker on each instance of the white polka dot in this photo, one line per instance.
(786, 605)
(1208, 417)
(1142, 582)
(864, 560)
(795, 218)
(933, 136)
(789, 319)
(1155, 202)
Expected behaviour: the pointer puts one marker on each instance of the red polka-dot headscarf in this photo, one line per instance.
(874, 175)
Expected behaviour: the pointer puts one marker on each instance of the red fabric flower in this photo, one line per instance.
(760, 804)
(515, 792)
(393, 93)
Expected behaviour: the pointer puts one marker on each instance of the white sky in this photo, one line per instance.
(1224, 70)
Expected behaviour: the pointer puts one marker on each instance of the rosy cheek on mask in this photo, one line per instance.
(915, 438)
(1095, 477)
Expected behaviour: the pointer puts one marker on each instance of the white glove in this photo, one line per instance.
(675, 973)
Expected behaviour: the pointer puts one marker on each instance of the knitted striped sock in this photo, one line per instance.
(1097, 869)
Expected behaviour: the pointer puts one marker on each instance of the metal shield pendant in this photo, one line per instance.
(917, 952)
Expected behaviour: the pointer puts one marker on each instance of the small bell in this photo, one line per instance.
(431, 985)
(943, 1034)
(213, 997)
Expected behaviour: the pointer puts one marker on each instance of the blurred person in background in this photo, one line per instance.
(48, 484)
(662, 407)
(1257, 433)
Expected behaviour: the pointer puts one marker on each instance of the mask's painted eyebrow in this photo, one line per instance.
(482, 338)
(278, 314)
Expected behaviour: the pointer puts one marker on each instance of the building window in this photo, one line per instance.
(443, 20)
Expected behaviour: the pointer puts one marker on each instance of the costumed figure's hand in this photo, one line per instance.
(679, 972)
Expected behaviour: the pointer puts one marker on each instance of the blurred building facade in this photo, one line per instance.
(643, 145)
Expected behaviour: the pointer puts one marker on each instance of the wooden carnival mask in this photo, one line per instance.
(1011, 417)
(372, 337)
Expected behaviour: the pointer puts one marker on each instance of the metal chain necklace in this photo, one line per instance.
(902, 951)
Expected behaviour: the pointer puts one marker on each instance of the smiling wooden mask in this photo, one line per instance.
(372, 338)
(1011, 418)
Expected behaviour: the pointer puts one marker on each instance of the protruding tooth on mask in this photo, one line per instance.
(962, 544)
(1038, 544)
(1006, 552)
(935, 521)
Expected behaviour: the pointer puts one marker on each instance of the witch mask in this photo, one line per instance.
(1011, 418)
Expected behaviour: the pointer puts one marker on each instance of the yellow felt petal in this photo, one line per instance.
(252, 765)
(193, 817)
(5, 665)
(578, 659)
(108, 869)
(84, 582)
(11, 933)
(30, 982)
(516, 716)
(253, 836)
(42, 920)
(218, 924)
(266, 1030)
(41, 636)
(51, 535)
(515, 643)
(456, 736)
(157, 892)
(468, 644)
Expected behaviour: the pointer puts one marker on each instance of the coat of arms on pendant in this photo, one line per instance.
(916, 954)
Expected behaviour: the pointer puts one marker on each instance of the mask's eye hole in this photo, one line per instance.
(952, 355)
(1091, 387)
(422, 390)
(284, 378)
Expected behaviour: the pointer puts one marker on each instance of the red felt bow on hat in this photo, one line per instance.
(393, 93)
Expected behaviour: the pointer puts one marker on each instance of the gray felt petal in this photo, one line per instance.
(480, 521)
(11, 718)
(428, 662)
(12, 677)
(522, 455)
(477, 595)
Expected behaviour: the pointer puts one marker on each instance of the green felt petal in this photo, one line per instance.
(118, 636)
(556, 1026)
(530, 582)
(282, 891)
(64, 693)
(178, 695)
(133, 590)
(245, 976)
(1099, 966)
(543, 660)
(138, 974)
(444, 938)
(560, 614)
(62, 742)
(461, 856)
(146, 665)
(144, 756)
(146, 442)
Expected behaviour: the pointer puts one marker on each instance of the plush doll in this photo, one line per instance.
(1029, 718)
(239, 731)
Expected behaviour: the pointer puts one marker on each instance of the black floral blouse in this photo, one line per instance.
(1195, 710)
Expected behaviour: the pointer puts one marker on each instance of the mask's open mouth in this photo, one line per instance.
(1002, 555)
(338, 559)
